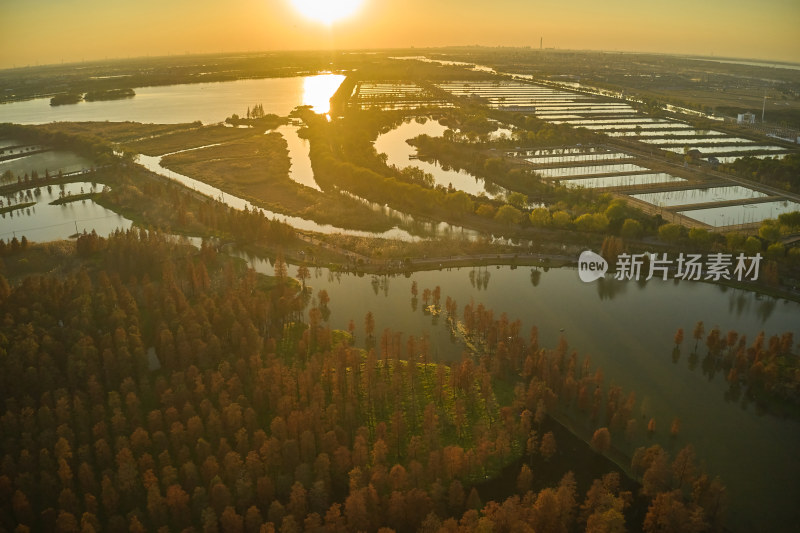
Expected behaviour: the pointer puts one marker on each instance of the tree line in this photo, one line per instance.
(783, 173)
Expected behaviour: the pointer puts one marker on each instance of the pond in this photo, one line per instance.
(582, 108)
(44, 222)
(563, 172)
(726, 149)
(597, 156)
(552, 118)
(644, 127)
(698, 196)
(627, 329)
(741, 214)
(400, 154)
(584, 113)
(683, 131)
(699, 141)
(633, 120)
(627, 180)
(51, 161)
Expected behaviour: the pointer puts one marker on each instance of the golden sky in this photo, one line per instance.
(51, 31)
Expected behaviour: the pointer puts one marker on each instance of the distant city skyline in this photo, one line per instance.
(54, 31)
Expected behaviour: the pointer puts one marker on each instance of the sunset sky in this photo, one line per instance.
(51, 31)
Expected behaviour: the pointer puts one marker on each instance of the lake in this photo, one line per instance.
(176, 104)
(698, 196)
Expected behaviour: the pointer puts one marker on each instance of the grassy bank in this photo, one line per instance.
(75, 198)
(256, 167)
(185, 139)
(17, 207)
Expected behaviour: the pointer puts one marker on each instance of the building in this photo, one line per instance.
(746, 118)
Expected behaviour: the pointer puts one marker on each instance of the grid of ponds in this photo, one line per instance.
(741, 214)
(698, 196)
(587, 170)
(518, 94)
(394, 96)
(614, 118)
(629, 180)
(393, 89)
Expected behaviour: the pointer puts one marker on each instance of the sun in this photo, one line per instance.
(327, 11)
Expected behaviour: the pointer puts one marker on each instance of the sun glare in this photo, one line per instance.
(327, 11)
(318, 90)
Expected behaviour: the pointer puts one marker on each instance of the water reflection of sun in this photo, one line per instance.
(327, 11)
(317, 91)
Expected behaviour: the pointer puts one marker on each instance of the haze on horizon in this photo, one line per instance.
(53, 31)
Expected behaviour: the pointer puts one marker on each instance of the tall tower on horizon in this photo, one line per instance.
(540, 43)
